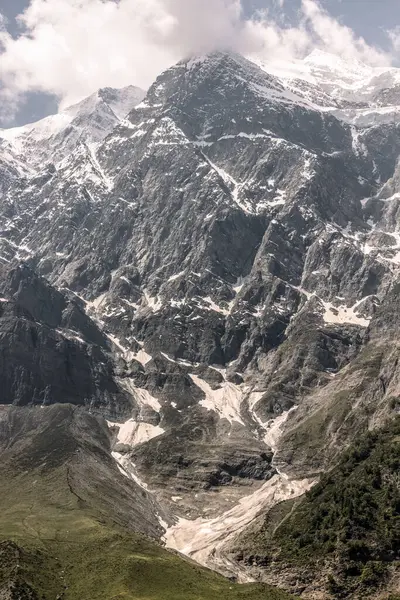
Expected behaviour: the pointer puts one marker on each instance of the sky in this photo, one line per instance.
(55, 52)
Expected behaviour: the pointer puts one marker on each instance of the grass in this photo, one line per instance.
(54, 545)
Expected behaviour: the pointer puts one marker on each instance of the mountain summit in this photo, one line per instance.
(56, 136)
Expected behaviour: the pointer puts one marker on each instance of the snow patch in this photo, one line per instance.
(107, 181)
(142, 357)
(127, 469)
(233, 186)
(69, 334)
(177, 276)
(142, 396)
(237, 288)
(279, 199)
(97, 302)
(274, 429)
(203, 540)
(153, 302)
(226, 401)
(215, 307)
(132, 433)
(343, 314)
(180, 361)
(118, 344)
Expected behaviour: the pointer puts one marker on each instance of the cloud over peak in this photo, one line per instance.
(70, 48)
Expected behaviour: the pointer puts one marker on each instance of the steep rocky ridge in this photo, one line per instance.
(51, 351)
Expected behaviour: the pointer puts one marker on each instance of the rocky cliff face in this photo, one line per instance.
(220, 268)
(51, 352)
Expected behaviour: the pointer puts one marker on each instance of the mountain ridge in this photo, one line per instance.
(89, 120)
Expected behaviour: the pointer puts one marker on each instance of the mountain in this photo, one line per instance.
(56, 136)
(216, 276)
(352, 91)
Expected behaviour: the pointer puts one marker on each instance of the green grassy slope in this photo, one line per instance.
(57, 544)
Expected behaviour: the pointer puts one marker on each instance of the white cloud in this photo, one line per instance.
(394, 36)
(339, 39)
(73, 47)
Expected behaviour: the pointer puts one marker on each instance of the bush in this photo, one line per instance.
(351, 519)
(373, 574)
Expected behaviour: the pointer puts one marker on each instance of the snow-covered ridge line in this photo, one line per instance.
(90, 121)
(329, 83)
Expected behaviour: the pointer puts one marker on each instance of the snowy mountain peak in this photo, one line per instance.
(351, 90)
(120, 101)
(226, 60)
(224, 69)
(214, 57)
(90, 120)
(324, 69)
(320, 58)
